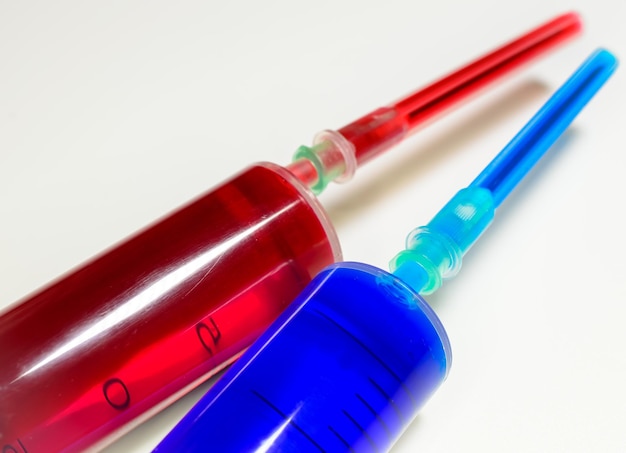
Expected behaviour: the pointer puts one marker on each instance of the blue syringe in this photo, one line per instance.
(349, 363)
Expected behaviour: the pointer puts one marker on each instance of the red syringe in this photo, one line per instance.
(122, 336)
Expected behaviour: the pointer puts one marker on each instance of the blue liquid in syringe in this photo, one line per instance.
(382, 353)
(346, 367)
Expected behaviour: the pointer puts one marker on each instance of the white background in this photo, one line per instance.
(113, 113)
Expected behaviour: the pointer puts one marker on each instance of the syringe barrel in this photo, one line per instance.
(109, 344)
(346, 366)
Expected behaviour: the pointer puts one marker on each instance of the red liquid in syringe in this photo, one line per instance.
(207, 280)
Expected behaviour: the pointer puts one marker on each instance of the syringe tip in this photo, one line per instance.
(435, 252)
(414, 274)
(338, 155)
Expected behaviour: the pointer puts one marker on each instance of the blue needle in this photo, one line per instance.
(519, 156)
(434, 252)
